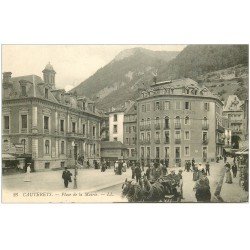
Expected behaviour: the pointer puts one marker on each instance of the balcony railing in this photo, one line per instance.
(205, 141)
(157, 126)
(157, 141)
(177, 126)
(142, 127)
(236, 121)
(205, 126)
(220, 128)
(220, 141)
(167, 141)
(237, 131)
(177, 141)
(166, 126)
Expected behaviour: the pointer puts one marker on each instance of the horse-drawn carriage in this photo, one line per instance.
(164, 189)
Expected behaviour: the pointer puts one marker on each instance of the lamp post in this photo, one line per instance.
(75, 155)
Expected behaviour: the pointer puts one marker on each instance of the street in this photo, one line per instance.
(96, 186)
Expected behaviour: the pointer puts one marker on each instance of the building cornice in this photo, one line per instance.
(53, 104)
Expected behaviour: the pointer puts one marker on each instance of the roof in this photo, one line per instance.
(49, 67)
(176, 87)
(233, 103)
(112, 145)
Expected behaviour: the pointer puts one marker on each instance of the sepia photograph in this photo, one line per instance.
(125, 123)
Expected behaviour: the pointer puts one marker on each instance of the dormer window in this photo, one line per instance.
(23, 90)
(46, 93)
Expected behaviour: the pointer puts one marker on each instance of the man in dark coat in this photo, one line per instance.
(193, 163)
(137, 173)
(202, 189)
(66, 177)
(207, 168)
(234, 170)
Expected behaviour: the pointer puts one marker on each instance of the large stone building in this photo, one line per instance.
(130, 131)
(235, 115)
(53, 126)
(179, 120)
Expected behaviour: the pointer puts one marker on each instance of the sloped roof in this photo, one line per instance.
(112, 145)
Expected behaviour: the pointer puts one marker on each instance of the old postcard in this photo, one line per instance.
(124, 123)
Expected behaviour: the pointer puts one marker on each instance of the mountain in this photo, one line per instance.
(118, 80)
(196, 60)
(133, 69)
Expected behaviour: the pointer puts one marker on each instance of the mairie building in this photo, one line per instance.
(52, 126)
(179, 120)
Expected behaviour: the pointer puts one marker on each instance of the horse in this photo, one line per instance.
(153, 192)
(132, 191)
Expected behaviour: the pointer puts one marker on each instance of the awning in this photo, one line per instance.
(8, 157)
(243, 151)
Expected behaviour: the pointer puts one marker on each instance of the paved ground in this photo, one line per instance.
(107, 187)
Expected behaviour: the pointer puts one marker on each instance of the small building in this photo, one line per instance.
(113, 151)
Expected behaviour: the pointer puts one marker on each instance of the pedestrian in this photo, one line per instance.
(195, 173)
(124, 166)
(207, 168)
(225, 158)
(181, 183)
(133, 170)
(103, 166)
(228, 174)
(137, 173)
(234, 170)
(120, 167)
(202, 189)
(142, 165)
(164, 170)
(27, 175)
(66, 177)
(116, 167)
(88, 165)
(193, 164)
(148, 172)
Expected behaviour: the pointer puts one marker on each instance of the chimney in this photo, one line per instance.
(6, 77)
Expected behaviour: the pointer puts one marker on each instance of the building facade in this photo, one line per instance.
(53, 126)
(179, 120)
(235, 114)
(130, 132)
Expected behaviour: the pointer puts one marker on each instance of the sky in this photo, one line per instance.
(72, 63)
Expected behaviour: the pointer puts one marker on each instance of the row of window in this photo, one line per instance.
(166, 121)
(130, 140)
(130, 129)
(177, 135)
(46, 124)
(166, 105)
(146, 152)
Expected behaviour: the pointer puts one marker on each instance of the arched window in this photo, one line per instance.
(177, 122)
(187, 120)
(47, 147)
(166, 121)
(205, 121)
(62, 147)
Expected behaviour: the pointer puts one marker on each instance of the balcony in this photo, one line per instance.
(167, 141)
(177, 126)
(46, 131)
(220, 129)
(166, 126)
(237, 131)
(205, 126)
(236, 121)
(205, 141)
(177, 141)
(142, 127)
(157, 126)
(157, 141)
(147, 127)
(220, 141)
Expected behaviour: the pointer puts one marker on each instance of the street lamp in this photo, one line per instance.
(75, 155)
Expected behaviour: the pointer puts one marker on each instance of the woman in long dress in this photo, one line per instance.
(27, 175)
(228, 174)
